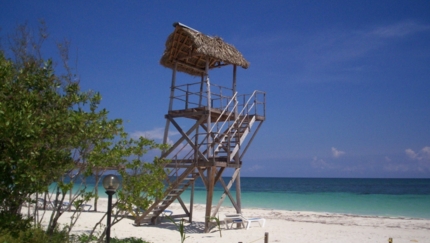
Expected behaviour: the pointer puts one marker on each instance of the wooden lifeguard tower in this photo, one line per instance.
(215, 123)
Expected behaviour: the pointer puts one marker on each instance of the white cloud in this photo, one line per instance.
(155, 134)
(425, 152)
(422, 155)
(410, 153)
(320, 163)
(331, 54)
(421, 159)
(419, 162)
(334, 47)
(400, 29)
(337, 153)
(396, 168)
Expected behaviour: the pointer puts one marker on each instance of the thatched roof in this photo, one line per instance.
(191, 49)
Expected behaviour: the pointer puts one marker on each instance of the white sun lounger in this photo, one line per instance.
(85, 207)
(232, 218)
(41, 203)
(166, 213)
(239, 219)
(64, 206)
(261, 221)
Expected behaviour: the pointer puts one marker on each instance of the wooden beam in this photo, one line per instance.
(190, 219)
(208, 103)
(180, 44)
(238, 194)
(250, 140)
(190, 54)
(209, 196)
(202, 175)
(227, 192)
(183, 205)
(190, 67)
(172, 94)
(219, 174)
(185, 137)
(219, 65)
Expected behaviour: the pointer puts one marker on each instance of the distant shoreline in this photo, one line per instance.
(408, 198)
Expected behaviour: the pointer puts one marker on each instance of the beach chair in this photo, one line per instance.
(236, 221)
(233, 218)
(41, 203)
(85, 207)
(261, 221)
(64, 206)
(166, 213)
(239, 219)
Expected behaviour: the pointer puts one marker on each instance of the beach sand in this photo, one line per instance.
(281, 226)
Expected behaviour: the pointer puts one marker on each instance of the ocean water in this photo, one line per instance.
(381, 197)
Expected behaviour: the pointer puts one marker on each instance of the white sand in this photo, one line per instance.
(282, 226)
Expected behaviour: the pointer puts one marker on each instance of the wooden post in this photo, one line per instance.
(237, 155)
(234, 81)
(172, 86)
(172, 95)
(238, 194)
(191, 201)
(209, 106)
(266, 237)
(201, 90)
(209, 196)
(196, 140)
(210, 170)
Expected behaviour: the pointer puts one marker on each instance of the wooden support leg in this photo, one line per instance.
(190, 219)
(209, 196)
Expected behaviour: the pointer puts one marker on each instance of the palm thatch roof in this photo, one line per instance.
(190, 49)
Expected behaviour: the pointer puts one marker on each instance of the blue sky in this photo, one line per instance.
(347, 82)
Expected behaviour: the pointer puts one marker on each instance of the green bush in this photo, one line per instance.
(33, 235)
(84, 238)
(38, 235)
(13, 223)
(127, 240)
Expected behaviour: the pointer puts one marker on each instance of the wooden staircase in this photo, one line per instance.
(234, 137)
(176, 186)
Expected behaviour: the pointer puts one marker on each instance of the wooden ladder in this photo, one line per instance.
(234, 137)
(172, 193)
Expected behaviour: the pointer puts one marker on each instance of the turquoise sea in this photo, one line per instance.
(381, 197)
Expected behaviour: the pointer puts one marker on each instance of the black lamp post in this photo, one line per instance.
(110, 183)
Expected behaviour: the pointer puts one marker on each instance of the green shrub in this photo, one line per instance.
(38, 235)
(127, 240)
(33, 235)
(85, 238)
(13, 223)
